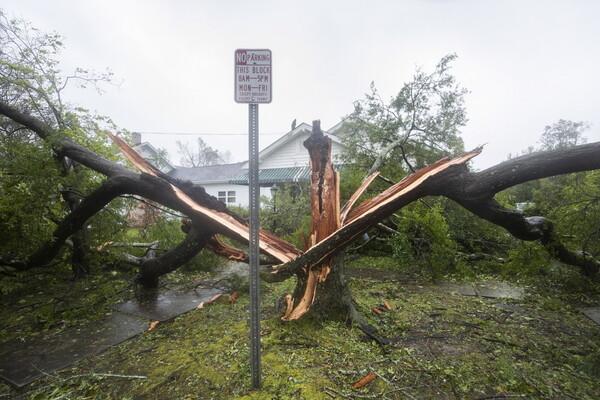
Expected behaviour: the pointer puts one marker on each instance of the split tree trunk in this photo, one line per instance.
(321, 287)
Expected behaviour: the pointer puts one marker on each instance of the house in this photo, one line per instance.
(151, 154)
(284, 161)
(215, 180)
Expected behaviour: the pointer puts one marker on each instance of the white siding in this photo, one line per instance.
(291, 154)
(241, 192)
(294, 154)
(336, 151)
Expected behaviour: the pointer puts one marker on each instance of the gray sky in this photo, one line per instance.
(526, 63)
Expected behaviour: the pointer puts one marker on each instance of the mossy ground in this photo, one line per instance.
(443, 346)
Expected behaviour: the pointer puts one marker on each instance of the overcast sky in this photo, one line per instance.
(527, 64)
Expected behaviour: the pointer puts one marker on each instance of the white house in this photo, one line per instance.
(284, 161)
(150, 153)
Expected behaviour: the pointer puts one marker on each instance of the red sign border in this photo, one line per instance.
(235, 92)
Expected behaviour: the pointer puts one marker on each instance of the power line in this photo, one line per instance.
(204, 133)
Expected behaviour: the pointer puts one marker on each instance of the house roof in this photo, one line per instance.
(150, 153)
(210, 173)
(276, 175)
(279, 175)
(303, 127)
(237, 173)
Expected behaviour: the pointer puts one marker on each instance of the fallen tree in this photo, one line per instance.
(34, 120)
(319, 269)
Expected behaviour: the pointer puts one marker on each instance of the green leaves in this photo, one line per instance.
(416, 127)
(35, 178)
(424, 237)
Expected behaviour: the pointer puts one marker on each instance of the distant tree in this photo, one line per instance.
(287, 213)
(202, 155)
(419, 125)
(563, 134)
(416, 127)
(572, 201)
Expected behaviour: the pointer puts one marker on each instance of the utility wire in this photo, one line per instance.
(203, 134)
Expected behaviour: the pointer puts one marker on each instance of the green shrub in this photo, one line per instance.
(424, 238)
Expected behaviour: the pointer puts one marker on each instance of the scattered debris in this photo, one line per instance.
(232, 298)
(152, 325)
(376, 310)
(365, 381)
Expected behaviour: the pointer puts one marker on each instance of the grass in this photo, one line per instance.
(441, 346)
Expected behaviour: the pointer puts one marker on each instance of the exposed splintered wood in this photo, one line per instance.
(372, 211)
(215, 245)
(365, 381)
(354, 198)
(218, 221)
(133, 156)
(325, 219)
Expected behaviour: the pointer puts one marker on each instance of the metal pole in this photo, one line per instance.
(254, 248)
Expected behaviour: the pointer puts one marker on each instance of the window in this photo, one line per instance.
(226, 197)
(231, 196)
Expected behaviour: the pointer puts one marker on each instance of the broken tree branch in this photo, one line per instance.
(372, 211)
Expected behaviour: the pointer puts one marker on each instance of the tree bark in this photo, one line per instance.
(320, 272)
(315, 280)
(75, 220)
(153, 268)
(476, 191)
(209, 215)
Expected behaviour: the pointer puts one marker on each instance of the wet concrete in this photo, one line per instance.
(494, 290)
(499, 291)
(24, 361)
(593, 314)
(465, 290)
(509, 307)
(491, 290)
(166, 305)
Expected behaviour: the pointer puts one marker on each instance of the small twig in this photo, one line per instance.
(502, 396)
(577, 375)
(45, 373)
(95, 375)
(394, 387)
(214, 284)
(375, 338)
(504, 317)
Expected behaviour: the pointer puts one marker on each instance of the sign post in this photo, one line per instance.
(253, 86)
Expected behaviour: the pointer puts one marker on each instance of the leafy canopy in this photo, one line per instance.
(414, 128)
(34, 181)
